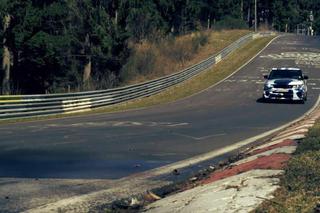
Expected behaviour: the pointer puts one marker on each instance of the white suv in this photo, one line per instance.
(285, 84)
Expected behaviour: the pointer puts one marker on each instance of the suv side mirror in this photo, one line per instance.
(265, 76)
(305, 77)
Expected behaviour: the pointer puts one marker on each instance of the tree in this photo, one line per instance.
(54, 44)
(5, 20)
(38, 41)
(99, 42)
(143, 20)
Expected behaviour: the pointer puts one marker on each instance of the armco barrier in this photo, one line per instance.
(21, 106)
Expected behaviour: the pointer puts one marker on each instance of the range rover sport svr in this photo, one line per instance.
(285, 84)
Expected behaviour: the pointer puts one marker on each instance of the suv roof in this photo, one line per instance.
(288, 73)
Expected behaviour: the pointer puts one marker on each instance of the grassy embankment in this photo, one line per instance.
(150, 60)
(300, 185)
(216, 42)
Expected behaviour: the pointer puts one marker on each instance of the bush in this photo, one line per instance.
(303, 172)
(304, 169)
(230, 23)
(314, 131)
(141, 62)
(178, 51)
(311, 142)
(199, 40)
(183, 49)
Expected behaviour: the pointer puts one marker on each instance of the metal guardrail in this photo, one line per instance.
(21, 106)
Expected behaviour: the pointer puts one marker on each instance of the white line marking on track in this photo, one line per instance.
(180, 124)
(199, 138)
(312, 84)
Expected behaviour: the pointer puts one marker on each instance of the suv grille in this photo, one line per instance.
(285, 86)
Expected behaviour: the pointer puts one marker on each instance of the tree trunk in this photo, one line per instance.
(116, 18)
(88, 67)
(6, 60)
(87, 71)
(242, 9)
(249, 15)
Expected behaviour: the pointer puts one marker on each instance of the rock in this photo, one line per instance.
(150, 196)
(222, 163)
(241, 156)
(248, 149)
(204, 173)
(131, 203)
(7, 197)
(193, 179)
(176, 172)
(135, 203)
(317, 208)
(212, 168)
(233, 159)
(120, 204)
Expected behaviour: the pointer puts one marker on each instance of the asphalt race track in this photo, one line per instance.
(115, 145)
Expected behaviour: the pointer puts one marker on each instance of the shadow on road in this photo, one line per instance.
(267, 101)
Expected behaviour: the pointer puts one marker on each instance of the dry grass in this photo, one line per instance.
(285, 202)
(153, 60)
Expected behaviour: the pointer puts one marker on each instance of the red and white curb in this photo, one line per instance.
(243, 185)
(239, 193)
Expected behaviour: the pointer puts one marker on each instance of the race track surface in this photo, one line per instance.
(115, 145)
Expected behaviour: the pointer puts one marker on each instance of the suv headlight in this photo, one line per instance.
(300, 86)
(268, 86)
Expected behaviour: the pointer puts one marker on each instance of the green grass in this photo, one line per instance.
(183, 90)
(300, 185)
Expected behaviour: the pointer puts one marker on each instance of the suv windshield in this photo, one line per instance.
(292, 74)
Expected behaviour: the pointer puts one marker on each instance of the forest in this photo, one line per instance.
(50, 45)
